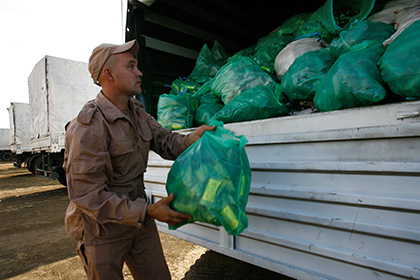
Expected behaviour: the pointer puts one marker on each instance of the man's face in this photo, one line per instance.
(126, 74)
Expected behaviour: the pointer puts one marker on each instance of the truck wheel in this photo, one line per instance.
(61, 176)
(33, 163)
(7, 156)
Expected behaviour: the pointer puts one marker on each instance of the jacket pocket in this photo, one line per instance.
(121, 147)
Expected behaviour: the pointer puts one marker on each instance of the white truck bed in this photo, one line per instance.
(58, 89)
(4, 139)
(20, 141)
(334, 195)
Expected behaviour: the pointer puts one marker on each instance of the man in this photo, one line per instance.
(106, 155)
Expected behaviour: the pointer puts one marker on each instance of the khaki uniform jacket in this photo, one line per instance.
(105, 159)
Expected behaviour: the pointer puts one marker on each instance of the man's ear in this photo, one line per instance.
(108, 75)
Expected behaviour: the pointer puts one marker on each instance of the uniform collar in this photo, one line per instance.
(110, 111)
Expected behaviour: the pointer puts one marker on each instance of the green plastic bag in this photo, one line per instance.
(293, 24)
(210, 104)
(260, 102)
(400, 64)
(208, 63)
(339, 15)
(176, 111)
(336, 16)
(205, 112)
(238, 75)
(366, 30)
(183, 86)
(353, 81)
(267, 48)
(305, 74)
(211, 181)
(314, 27)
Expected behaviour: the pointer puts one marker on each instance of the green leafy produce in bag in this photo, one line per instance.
(267, 48)
(366, 30)
(305, 74)
(210, 104)
(293, 24)
(176, 111)
(400, 64)
(256, 103)
(339, 15)
(353, 81)
(206, 111)
(336, 16)
(211, 181)
(238, 75)
(183, 85)
(208, 63)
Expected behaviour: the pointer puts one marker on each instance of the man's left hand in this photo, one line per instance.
(196, 134)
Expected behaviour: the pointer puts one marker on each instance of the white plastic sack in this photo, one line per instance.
(390, 11)
(404, 19)
(293, 50)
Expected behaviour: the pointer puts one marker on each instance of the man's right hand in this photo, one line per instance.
(162, 212)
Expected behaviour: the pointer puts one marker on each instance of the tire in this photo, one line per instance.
(7, 156)
(34, 162)
(62, 176)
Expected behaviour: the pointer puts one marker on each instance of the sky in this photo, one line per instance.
(32, 29)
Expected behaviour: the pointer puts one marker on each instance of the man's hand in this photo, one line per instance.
(196, 134)
(162, 212)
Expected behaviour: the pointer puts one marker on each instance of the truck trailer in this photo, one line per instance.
(58, 89)
(334, 195)
(5, 151)
(20, 143)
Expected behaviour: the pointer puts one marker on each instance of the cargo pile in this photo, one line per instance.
(341, 56)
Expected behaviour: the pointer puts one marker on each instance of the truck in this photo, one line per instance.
(20, 144)
(334, 195)
(58, 89)
(5, 152)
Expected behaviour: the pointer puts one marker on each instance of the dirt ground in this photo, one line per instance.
(34, 245)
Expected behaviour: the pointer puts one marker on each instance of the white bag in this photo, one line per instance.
(390, 11)
(404, 19)
(293, 50)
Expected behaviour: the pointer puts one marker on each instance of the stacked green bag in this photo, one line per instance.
(211, 181)
(208, 63)
(267, 48)
(400, 64)
(210, 104)
(305, 74)
(260, 102)
(366, 30)
(354, 80)
(182, 86)
(293, 24)
(336, 16)
(239, 74)
(176, 111)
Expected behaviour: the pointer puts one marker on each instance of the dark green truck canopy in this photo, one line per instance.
(171, 34)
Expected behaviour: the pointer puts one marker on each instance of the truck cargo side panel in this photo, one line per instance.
(328, 200)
